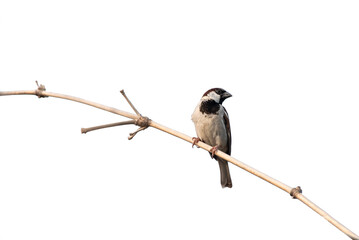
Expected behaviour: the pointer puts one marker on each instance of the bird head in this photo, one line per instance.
(217, 94)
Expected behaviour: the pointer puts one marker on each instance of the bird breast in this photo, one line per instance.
(210, 128)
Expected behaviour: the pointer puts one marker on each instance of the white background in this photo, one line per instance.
(291, 66)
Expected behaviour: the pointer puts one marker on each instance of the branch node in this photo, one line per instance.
(40, 89)
(143, 123)
(295, 191)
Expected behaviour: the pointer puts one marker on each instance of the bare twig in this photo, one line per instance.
(129, 102)
(144, 122)
(132, 135)
(86, 130)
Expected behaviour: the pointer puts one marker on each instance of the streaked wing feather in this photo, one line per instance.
(228, 128)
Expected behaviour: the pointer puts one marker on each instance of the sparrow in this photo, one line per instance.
(212, 127)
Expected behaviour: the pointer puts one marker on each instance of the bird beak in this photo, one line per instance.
(226, 95)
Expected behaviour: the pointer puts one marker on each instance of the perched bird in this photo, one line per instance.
(212, 127)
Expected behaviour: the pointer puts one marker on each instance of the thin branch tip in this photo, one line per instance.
(132, 135)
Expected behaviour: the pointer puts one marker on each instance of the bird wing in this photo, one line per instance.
(228, 129)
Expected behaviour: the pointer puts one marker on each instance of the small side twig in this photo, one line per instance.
(86, 130)
(129, 102)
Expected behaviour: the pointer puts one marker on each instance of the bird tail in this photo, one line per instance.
(226, 180)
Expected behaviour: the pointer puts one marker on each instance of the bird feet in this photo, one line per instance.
(214, 150)
(195, 141)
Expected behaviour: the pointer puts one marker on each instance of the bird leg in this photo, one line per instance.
(195, 141)
(214, 150)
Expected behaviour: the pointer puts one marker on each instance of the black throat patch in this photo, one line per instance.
(209, 107)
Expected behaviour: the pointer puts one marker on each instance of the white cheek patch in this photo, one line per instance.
(213, 95)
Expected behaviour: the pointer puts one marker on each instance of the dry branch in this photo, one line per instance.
(145, 122)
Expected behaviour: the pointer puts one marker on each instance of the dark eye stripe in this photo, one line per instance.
(219, 91)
